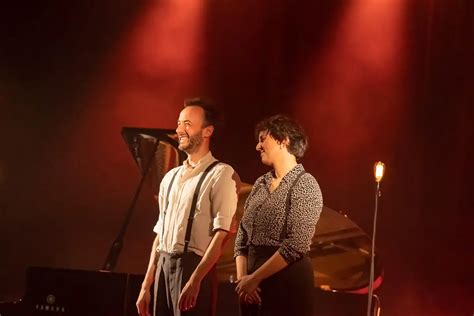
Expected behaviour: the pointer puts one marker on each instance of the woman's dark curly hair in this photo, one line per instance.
(280, 127)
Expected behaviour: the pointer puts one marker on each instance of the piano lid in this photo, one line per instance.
(141, 143)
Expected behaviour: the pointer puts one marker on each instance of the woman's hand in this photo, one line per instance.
(248, 290)
(252, 298)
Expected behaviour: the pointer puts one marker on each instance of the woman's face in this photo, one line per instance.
(268, 148)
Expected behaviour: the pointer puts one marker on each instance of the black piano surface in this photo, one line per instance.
(51, 291)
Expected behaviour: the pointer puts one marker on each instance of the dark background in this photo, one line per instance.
(369, 80)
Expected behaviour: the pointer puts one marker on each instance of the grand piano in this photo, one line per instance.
(340, 253)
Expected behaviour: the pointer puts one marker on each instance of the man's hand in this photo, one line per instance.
(188, 296)
(144, 297)
(189, 293)
(143, 303)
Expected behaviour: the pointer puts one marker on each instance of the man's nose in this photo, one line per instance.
(258, 147)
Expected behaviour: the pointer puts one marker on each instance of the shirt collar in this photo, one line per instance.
(289, 177)
(203, 161)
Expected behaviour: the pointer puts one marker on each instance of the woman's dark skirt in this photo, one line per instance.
(287, 292)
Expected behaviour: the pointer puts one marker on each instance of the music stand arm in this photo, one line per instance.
(116, 248)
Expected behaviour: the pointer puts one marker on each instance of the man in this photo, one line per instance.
(186, 248)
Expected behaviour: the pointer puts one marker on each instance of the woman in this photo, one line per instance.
(274, 275)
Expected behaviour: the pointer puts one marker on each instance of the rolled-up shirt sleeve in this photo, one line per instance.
(224, 199)
(305, 209)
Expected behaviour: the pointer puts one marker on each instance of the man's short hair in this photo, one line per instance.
(280, 127)
(211, 116)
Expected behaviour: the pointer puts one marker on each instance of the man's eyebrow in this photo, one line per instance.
(185, 121)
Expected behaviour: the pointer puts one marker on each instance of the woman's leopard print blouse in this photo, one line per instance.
(264, 215)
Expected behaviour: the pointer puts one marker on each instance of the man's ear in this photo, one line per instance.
(208, 130)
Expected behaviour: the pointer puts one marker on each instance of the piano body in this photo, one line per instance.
(340, 254)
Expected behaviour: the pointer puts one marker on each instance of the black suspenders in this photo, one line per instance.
(167, 202)
(189, 226)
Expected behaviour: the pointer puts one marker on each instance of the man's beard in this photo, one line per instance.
(192, 145)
